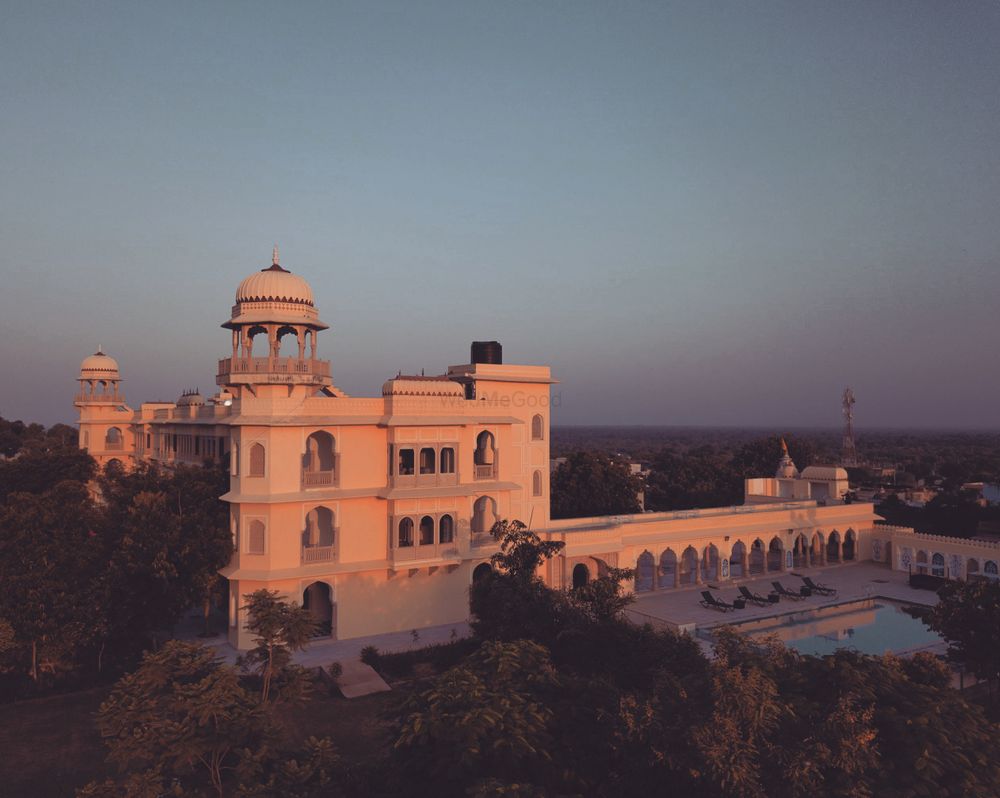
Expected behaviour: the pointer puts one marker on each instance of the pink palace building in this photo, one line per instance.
(375, 512)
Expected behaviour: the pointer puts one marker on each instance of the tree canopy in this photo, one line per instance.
(591, 483)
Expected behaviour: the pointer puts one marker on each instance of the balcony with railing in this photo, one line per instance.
(111, 397)
(429, 552)
(312, 554)
(486, 471)
(273, 369)
(114, 446)
(319, 479)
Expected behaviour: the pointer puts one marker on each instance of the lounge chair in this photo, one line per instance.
(711, 602)
(782, 591)
(749, 595)
(823, 590)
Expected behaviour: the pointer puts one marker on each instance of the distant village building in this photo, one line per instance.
(375, 512)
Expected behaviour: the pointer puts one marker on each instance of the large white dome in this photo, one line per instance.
(275, 284)
(98, 365)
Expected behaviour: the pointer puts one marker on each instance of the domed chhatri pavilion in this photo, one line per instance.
(376, 512)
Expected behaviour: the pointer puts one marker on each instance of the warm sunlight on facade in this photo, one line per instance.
(375, 513)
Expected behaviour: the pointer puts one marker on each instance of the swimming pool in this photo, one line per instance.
(871, 626)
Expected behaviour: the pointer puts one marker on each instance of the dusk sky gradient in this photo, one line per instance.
(696, 213)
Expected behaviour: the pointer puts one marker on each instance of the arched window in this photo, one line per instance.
(972, 567)
(921, 562)
(581, 575)
(485, 448)
(537, 427)
(319, 460)
(319, 529)
(405, 463)
(446, 529)
(405, 533)
(256, 460)
(234, 460)
(113, 438)
(484, 515)
(427, 460)
(426, 531)
(255, 537)
(447, 460)
(536, 484)
(990, 569)
(937, 565)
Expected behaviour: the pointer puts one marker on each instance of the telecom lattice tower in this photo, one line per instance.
(849, 452)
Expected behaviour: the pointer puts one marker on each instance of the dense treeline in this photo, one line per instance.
(558, 695)
(16, 436)
(595, 483)
(564, 698)
(96, 566)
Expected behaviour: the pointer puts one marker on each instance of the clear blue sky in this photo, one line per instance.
(698, 213)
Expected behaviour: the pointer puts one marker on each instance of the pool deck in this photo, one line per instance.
(679, 609)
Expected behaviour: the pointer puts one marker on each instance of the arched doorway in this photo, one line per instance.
(849, 545)
(318, 600)
(756, 558)
(818, 549)
(800, 552)
(645, 572)
(921, 562)
(833, 547)
(937, 565)
(689, 566)
(668, 569)
(710, 563)
(737, 559)
(775, 554)
(581, 575)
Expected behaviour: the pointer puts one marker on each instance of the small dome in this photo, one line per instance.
(98, 365)
(275, 284)
(191, 399)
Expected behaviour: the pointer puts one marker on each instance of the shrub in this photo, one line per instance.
(371, 657)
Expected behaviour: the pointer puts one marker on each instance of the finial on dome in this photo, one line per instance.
(275, 260)
(784, 447)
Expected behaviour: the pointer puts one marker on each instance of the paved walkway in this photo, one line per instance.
(322, 652)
